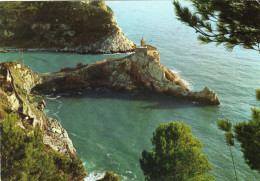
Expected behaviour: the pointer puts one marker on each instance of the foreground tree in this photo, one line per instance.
(248, 134)
(176, 155)
(24, 156)
(258, 94)
(232, 22)
(226, 126)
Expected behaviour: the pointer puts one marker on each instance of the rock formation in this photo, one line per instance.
(16, 82)
(141, 71)
(74, 26)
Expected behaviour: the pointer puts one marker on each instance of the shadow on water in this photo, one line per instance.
(158, 101)
(38, 58)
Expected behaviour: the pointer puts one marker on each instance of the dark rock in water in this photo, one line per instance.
(72, 26)
(207, 96)
(140, 71)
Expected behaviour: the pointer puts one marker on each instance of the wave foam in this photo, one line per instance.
(177, 72)
(52, 98)
(79, 136)
(57, 116)
(93, 176)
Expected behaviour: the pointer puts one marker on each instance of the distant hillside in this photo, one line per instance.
(84, 27)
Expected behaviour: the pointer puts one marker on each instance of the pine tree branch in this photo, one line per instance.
(236, 23)
(233, 162)
(203, 33)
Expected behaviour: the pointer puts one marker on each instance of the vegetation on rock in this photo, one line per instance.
(230, 22)
(176, 155)
(24, 156)
(54, 24)
(110, 176)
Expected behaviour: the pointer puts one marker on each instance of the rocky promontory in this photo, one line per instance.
(140, 71)
(16, 83)
(71, 26)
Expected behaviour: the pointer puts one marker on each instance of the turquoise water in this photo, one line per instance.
(111, 129)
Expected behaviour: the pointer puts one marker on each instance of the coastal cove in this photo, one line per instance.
(110, 129)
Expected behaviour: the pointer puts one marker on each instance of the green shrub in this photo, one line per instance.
(35, 98)
(110, 176)
(85, 20)
(26, 157)
(98, 3)
(2, 115)
(258, 94)
(176, 155)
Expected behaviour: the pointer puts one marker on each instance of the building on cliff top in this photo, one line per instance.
(143, 42)
(146, 49)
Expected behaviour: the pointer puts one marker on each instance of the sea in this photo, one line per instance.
(111, 129)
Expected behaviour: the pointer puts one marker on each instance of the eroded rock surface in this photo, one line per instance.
(117, 42)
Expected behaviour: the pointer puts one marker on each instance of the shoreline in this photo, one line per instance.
(58, 50)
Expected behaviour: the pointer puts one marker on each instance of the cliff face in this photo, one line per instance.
(140, 71)
(83, 27)
(16, 82)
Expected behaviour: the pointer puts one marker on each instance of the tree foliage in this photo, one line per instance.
(110, 176)
(226, 126)
(232, 22)
(248, 134)
(258, 94)
(176, 155)
(24, 156)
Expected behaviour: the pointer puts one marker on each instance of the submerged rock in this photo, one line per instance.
(141, 71)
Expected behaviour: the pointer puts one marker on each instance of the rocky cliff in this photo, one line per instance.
(16, 82)
(141, 71)
(72, 26)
